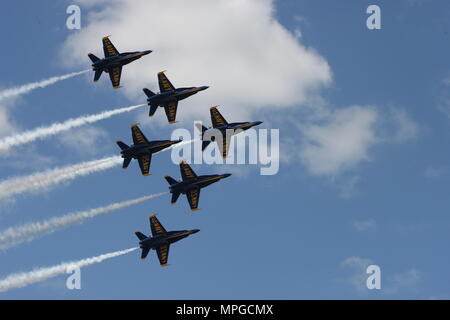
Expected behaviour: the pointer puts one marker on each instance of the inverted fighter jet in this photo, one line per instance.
(142, 149)
(191, 184)
(113, 61)
(168, 97)
(160, 240)
(219, 123)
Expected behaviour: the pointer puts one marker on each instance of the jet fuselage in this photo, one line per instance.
(235, 126)
(137, 150)
(197, 182)
(165, 238)
(173, 95)
(118, 60)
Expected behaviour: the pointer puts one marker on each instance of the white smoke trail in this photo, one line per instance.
(182, 143)
(35, 85)
(41, 181)
(42, 132)
(30, 231)
(22, 279)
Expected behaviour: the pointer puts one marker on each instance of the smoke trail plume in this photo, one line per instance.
(35, 85)
(41, 181)
(22, 279)
(182, 143)
(30, 231)
(42, 132)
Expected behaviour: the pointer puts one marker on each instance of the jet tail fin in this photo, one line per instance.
(175, 197)
(170, 180)
(205, 144)
(93, 57)
(148, 92)
(200, 127)
(144, 252)
(140, 235)
(152, 110)
(122, 145)
(97, 74)
(126, 163)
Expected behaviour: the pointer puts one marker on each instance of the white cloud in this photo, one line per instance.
(348, 186)
(332, 142)
(359, 278)
(446, 81)
(434, 173)
(249, 60)
(405, 128)
(406, 281)
(6, 124)
(407, 278)
(22, 160)
(356, 262)
(86, 140)
(365, 225)
(237, 47)
(6, 127)
(340, 141)
(398, 283)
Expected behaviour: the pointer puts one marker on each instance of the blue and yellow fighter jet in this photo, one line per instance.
(191, 184)
(113, 61)
(168, 97)
(219, 123)
(160, 240)
(142, 149)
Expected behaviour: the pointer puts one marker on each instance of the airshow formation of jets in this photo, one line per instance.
(142, 149)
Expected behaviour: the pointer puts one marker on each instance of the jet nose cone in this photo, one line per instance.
(195, 231)
(226, 175)
(147, 52)
(257, 123)
(203, 88)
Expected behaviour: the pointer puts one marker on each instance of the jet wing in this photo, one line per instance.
(156, 226)
(193, 196)
(163, 254)
(144, 163)
(164, 83)
(186, 171)
(108, 48)
(216, 118)
(138, 136)
(171, 111)
(114, 75)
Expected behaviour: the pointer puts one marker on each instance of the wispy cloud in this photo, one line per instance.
(399, 283)
(407, 280)
(365, 225)
(435, 172)
(358, 279)
(404, 127)
(339, 141)
(87, 140)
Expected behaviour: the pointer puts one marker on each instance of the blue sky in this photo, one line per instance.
(307, 232)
